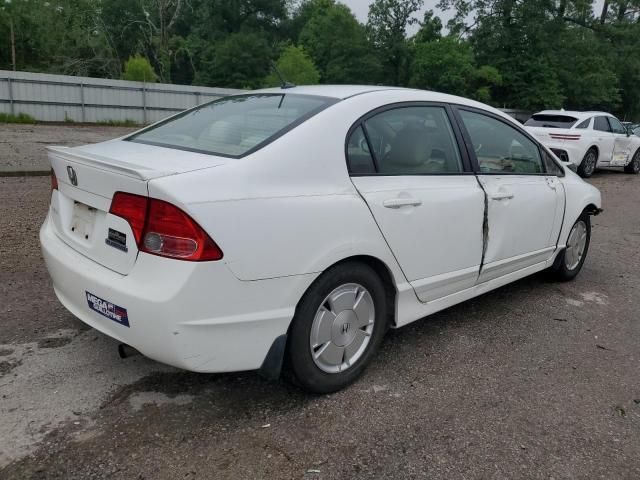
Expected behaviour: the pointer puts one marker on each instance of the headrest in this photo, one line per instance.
(410, 147)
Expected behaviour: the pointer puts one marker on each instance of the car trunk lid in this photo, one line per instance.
(89, 176)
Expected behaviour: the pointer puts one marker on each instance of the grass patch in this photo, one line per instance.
(119, 123)
(19, 118)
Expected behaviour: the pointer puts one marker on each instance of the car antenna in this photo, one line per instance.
(283, 83)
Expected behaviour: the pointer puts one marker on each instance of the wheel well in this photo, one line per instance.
(593, 147)
(591, 209)
(276, 357)
(385, 275)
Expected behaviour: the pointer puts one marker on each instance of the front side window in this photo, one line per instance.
(551, 166)
(601, 124)
(499, 147)
(233, 126)
(616, 126)
(413, 141)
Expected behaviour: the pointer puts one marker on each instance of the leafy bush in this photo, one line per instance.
(138, 69)
(119, 123)
(19, 118)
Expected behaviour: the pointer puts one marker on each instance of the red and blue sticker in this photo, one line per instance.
(108, 309)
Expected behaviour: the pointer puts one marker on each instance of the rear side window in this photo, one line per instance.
(551, 121)
(601, 124)
(413, 141)
(358, 154)
(499, 147)
(584, 124)
(234, 126)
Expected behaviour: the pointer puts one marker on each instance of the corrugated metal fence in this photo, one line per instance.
(58, 98)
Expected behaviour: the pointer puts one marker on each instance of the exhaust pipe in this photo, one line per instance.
(125, 351)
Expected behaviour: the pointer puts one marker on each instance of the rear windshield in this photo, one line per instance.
(234, 126)
(551, 121)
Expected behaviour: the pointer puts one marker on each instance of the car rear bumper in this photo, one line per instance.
(567, 151)
(192, 315)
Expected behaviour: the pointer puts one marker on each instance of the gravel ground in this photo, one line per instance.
(23, 146)
(534, 380)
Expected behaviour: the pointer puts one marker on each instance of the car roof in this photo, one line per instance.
(333, 91)
(572, 113)
(342, 92)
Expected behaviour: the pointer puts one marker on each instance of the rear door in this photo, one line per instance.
(604, 137)
(622, 143)
(406, 164)
(525, 203)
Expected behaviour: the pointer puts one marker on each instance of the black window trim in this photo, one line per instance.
(279, 133)
(471, 151)
(457, 137)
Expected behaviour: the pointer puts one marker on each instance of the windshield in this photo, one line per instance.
(551, 121)
(233, 126)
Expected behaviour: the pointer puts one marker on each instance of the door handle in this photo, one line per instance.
(501, 196)
(401, 202)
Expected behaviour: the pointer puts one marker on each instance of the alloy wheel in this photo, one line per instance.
(590, 163)
(342, 328)
(576, 245)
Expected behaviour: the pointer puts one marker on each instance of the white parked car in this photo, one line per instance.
(296, 225)
(587, 139)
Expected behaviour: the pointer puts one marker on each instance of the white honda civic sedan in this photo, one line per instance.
(290, 228)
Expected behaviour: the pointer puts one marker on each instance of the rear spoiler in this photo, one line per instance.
(103, 163)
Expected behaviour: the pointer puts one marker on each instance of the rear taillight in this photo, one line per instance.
(54, 181)
(564, 136)
(163, 229)
(133, 208)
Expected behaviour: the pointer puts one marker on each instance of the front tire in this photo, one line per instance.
(338, 326)
(569, 262)
(588, 164)
(634, 165)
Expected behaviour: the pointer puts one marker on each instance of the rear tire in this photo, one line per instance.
(634, 165)
(569, 262)
(588, 164)
(338, 326)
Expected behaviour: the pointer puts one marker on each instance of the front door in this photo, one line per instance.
(605, 138)
(525, 204)
(406, 164)
(622, 144)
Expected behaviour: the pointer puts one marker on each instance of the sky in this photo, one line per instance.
(361, 8)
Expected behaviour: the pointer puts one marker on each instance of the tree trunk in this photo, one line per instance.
(605, 10)
(13, 45)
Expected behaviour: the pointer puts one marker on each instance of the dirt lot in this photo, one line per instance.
(22, 147)
(534, 380)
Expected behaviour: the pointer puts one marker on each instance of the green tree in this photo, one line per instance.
(296, 67)
(241, 60)
(387, 26)
(430, 28)
(445, 65)
(138, 69)
(338, 45)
